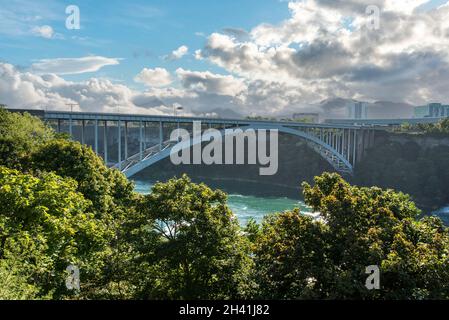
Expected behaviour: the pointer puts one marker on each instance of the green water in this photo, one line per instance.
(246, 207)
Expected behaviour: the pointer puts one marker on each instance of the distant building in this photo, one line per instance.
(357, 110)
(308, 116)
(432, 110)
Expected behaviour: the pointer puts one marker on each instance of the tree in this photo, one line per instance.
(113, 201)
(71, 159)
(198, 252)
(26, 143)
(297, 257)
(20, 135)
(290, 257)
(369, 226)
(44, 227)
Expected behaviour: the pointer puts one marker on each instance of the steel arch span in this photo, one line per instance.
(339, 161)
(342, 145)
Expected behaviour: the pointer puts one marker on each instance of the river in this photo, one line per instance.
(245, 206)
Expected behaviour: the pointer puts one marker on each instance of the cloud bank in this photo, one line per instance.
(324, 50)
(65, 66)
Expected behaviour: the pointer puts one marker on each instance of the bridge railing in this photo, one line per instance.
(146, 154)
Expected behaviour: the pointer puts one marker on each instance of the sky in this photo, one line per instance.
(249, 57)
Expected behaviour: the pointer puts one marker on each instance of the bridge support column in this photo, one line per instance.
(105, 142)
(140, 140)
(96, 136)
(119, 128)
(337, 135)
(144, 136)
(83, 127)
(354, 152)
(70, 127)
(342, 142)
(337, 141)
(348, 151)
(161, 135)
(126, 140)
(361, 144)
(59, 125)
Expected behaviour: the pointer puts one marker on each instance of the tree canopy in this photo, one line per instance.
(60, 206)
(297, 257)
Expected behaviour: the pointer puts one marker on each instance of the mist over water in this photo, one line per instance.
(245, 206)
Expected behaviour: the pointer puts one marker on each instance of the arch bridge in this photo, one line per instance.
(132, 143)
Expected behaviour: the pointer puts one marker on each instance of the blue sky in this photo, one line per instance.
(139, 32)
(295, 56)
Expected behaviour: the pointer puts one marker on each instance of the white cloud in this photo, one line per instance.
(43, 31)
(63, 66)
(27, 90)
(158, 77)
(211, 83)
(178, 53)
(326, 48)
(322, 51)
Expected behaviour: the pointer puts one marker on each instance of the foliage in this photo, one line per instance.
(297, 257)
(290, 257)
(199, 247)
(182, 241)
(19, 136)
(113, 201)
(13, 283)
(44, 227)
(371, 226)
(259, 118)
(437, 129)
(71, 159)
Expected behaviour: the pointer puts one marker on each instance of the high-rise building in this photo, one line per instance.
(432, 110)
(357, 110)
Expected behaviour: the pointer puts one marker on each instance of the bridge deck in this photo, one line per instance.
(341, 145)
(61, 115)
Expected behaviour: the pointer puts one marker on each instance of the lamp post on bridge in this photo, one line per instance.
(177, 107)
(71, 105)
(70, 120)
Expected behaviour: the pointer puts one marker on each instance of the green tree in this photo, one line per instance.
(45, 226)
(366, 227)
(20, 135)
(360, 227)
(196, 249)
(113, 201)
(290, 257)
(71, 159)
